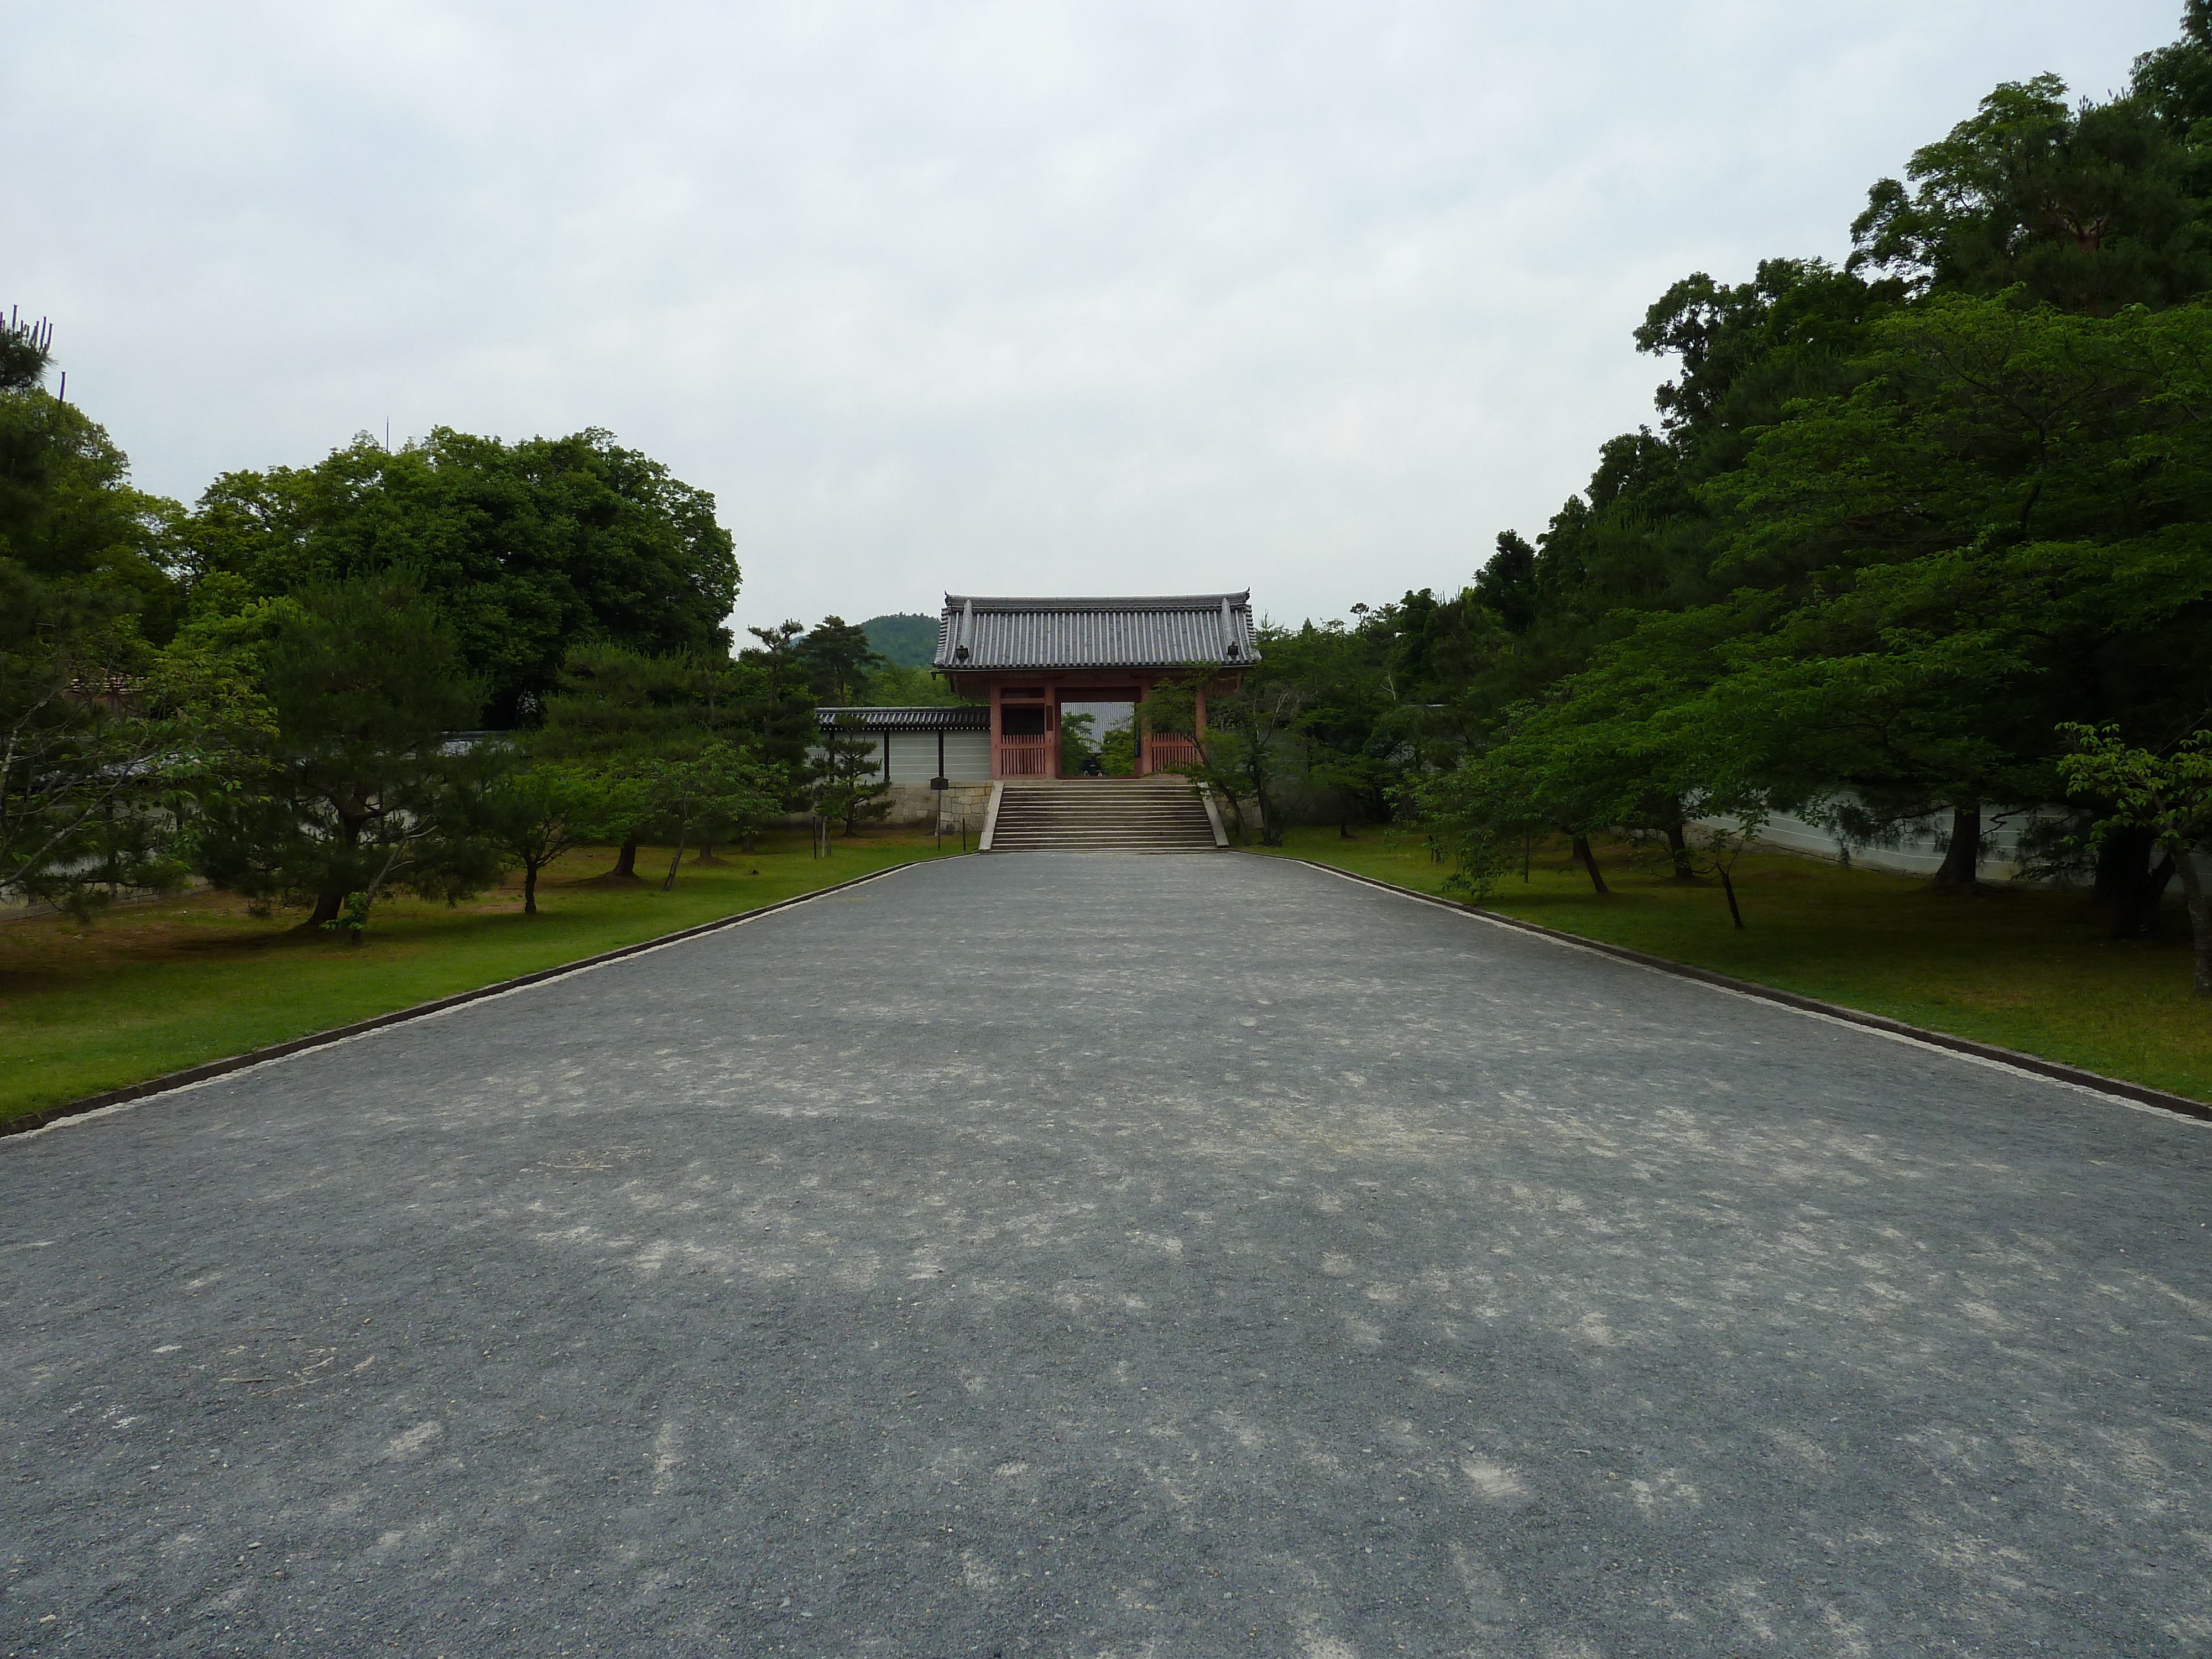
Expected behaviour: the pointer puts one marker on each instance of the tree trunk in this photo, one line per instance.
(625, 862)
(529, 890)
(1962, 859)
(1729, 887)
(1678, 848)
(683, 834)
(2123, 859)
(1589, 863)
(327, 905)
(2135, 909)
(2200, 919)
(1271, 828)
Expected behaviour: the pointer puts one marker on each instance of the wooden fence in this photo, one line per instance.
(1025, 757)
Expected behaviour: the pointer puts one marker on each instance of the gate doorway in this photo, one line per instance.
(1098, 736)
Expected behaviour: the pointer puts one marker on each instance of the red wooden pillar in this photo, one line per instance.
(996, 732)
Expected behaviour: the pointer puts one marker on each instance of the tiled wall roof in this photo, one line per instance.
(964, 717)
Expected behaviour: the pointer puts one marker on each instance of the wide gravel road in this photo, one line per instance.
(1109, 1256)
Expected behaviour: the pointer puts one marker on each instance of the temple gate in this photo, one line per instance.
(1027, 658)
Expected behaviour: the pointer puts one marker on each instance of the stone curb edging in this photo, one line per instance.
(2140, 1094)
(30, 1122)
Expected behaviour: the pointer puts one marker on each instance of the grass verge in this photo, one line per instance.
(2024, 968)
(152, 989)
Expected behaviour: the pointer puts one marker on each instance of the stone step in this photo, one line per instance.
(1204, 843)
(1092, 816)
(1130, 817)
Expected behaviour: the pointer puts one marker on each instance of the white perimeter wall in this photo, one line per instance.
(1915, 852)
(967, 756)
(913, 756)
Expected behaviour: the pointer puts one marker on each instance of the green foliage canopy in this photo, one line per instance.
(529, 548)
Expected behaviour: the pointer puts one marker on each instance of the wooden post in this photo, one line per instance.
(996, 734)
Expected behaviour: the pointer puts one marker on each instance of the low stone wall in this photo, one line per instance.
(968, 801)
(916, 805)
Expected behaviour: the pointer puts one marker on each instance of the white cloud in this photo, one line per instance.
(1113, 297)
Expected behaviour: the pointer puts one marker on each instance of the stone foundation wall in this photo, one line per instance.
(916, 805)
(968, 800)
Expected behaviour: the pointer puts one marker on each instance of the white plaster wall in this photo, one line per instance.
(913, 756)
(967, 756)
(1915, 852)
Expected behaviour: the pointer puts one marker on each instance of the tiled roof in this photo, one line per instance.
(1141, 633)
(960, 717)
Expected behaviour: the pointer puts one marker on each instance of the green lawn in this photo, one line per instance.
(2026, 968)
(151, 988)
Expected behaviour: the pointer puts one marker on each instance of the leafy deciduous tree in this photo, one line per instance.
(2168, 794)
(533, 814)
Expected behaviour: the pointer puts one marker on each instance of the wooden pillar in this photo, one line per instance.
(995, 731)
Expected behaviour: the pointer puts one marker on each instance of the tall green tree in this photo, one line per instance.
(2167, 794)
(627, 716)
(2007, 526)
(362, 786)
(1507, 583)
(529, 548)
(719, 792)
(845, 778)
(2091, 207)
(532, 814)
(779, 700)
(1244, 754)
(95, 737)
(838, 660)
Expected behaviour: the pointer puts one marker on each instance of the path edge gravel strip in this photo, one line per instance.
(2140, 1094)
(30, 1122)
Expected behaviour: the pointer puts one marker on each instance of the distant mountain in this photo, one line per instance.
(908, 641)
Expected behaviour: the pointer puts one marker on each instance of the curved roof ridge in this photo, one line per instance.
(1097, 602)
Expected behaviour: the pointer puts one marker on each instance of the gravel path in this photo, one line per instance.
(1107, 1255)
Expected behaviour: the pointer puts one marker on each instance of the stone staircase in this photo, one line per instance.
(1101, 815)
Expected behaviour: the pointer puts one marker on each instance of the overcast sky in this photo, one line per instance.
(1106, 297)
